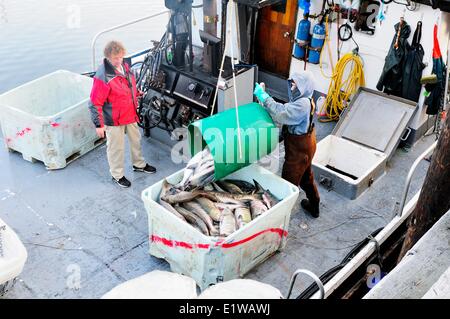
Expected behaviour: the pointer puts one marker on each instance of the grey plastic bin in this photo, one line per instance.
(355, 155)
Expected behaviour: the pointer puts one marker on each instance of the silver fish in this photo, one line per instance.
(201, 177)
(198, 158)
(180, 197)
(245, 197)
(195, 208)
(204, 166)
(269, 199)
(198, 228)
(227, 223)
(230, 187)
(223, 206)
(217, 187)
(236, 197)
(243, 216)
(210, 207)
(193, 219)
(188, 172)
(165, 189)
(266, 200)
(208, 188)
(221, 197)
(245, 187)
(172, 210)
(258, 188)
(257, 208)
(198, 170)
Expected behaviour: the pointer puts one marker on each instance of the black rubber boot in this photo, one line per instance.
(313, 210)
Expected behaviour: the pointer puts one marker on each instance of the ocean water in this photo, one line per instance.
(39, 37)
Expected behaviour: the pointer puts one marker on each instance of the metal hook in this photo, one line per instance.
(403, 13)
(312, 275)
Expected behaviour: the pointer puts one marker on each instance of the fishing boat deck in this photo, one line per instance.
(76, 219)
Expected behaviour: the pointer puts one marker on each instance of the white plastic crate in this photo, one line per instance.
(48, 119)
(13, 256)
(206, 259)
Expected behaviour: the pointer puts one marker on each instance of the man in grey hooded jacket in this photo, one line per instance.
(300, 136)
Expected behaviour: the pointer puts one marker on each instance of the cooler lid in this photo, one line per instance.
(376, 120)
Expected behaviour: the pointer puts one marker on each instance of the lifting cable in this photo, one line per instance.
(231, 39)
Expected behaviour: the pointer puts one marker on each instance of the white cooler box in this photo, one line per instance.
(207, 260)
(12, 257)
(354, 156)
(48, 119)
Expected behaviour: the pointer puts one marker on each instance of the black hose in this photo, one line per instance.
(325, 277)
(344, 29)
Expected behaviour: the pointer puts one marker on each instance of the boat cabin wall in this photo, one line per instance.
(374, 48)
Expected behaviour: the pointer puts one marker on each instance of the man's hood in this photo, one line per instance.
(305, 83)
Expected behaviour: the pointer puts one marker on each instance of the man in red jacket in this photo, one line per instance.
(113, 111)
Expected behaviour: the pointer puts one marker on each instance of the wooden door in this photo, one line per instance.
(275, 34)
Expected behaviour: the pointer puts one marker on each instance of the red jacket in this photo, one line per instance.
(113, 96)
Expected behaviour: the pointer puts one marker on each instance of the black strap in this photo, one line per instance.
(417, 34)
(284, 130)
(311, 115)
(130, 85)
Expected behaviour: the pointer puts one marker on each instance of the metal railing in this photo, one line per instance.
(94, 40)
(410, 174)
(310, 274)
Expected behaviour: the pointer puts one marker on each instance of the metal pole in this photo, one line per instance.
(233, 15)
(223, 30)
(94, 40)
(210, 27)
(191, 51)
(409, 177)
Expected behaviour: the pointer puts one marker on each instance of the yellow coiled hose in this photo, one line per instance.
(343, 84)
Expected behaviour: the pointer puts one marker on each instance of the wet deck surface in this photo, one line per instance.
(76, 219)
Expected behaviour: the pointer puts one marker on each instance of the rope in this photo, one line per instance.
(341, 88)
(326, 43)
(218, 80)
(230, 37)
(234, 89)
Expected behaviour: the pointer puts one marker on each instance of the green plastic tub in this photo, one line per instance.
(259, 137)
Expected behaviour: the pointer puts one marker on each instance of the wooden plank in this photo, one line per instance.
(441, 288)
